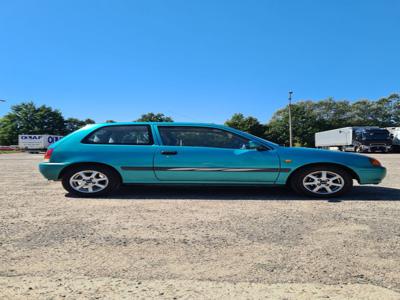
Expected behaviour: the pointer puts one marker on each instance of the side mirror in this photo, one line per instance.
(256, 146)
(262, 148)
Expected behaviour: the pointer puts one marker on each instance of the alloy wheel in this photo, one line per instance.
(323, 182)
(89, 181)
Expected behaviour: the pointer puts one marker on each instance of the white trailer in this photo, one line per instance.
(342, 138)
(395, 137)
(35, 142)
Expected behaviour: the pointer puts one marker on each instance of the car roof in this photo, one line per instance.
(163, 123)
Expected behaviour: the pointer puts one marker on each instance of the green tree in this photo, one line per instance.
(247, 124)
(89, 121)
(152, 117)
(304, 124)
(309, 117)
(330, 113)
(72, 124)
(110, 121)
(395, 107)
(363, 113)
(27, 118)
(386, 111)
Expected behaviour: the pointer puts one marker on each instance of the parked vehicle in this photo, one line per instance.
(36, 142)
(358, 139)
(97, 159)
(395, 137)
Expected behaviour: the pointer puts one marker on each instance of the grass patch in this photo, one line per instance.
(9, 151)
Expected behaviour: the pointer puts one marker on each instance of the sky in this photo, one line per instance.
(197, 60)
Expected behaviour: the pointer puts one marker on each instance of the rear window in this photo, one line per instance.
(121, 135)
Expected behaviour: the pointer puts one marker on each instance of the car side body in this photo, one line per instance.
(162, 161)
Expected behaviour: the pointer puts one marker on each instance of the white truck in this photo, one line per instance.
(358, 139)
(36, 142)
(395, 136)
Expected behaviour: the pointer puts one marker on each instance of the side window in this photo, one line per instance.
(200, 137)
(121, 135)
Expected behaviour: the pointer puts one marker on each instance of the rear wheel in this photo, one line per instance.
(322, 181)
(87, 181)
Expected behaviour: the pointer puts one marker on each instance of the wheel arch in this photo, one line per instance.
(352, 173)
(80, 164)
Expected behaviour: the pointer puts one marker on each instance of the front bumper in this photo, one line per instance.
(51, 171)
(371, 175)
(374, 148)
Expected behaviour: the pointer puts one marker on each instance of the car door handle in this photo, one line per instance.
(169, 152)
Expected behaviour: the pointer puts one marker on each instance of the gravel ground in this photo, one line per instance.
(203, 243)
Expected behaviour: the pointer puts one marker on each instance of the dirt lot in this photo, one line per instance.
(180, 243)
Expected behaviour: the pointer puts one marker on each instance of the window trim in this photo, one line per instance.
(151, 139)
(204, 127)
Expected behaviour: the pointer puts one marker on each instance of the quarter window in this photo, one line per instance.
(200, 137)
(121, 135)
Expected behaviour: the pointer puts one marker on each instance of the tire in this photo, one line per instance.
(395, 149)
(336, 181)
(90, 181)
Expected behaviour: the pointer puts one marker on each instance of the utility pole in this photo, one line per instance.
(290, 120)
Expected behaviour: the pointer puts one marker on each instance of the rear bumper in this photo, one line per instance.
(51, 171)
(371, 175)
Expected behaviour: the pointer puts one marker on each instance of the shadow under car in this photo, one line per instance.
(205, 192)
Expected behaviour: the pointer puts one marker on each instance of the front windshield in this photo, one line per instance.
(377, 135)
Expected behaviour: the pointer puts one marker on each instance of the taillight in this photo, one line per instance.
(48, 154)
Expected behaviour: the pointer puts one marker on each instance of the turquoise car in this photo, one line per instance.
(97, 159)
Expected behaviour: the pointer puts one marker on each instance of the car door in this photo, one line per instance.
(208, 154)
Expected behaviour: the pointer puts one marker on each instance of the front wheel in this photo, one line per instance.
(322, 181)
(88, 181)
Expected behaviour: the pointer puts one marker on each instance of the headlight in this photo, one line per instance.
(374, 162)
